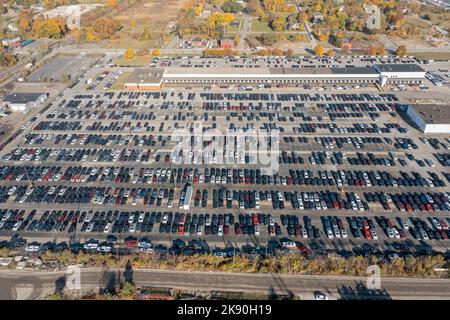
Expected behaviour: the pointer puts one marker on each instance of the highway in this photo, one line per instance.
(32, 285)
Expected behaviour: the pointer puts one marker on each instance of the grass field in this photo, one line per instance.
(440, 19)
(148, 14)
(260, 26)
(132, 43)
(135, 62)
(118, 85)
(234, 28)
(151, 13)
(432, 55)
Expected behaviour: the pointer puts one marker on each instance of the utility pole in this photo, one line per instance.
(266, 245)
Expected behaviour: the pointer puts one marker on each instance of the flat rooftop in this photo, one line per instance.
(23, 97)
(269, 71)
(434, 114)
(146, 75)
(397, 67)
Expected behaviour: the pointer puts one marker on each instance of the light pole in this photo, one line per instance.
(26, 172)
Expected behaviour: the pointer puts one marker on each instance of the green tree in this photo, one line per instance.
(232, 6)
(7, 59)
(278, 24)
(128, 291)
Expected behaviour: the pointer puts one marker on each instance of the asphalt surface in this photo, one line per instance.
(304, 150)
(32, 285)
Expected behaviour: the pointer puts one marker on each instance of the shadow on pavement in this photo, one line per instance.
(361, 292)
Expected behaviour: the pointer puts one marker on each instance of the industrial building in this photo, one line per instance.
(145, 79)
(400, 73)
(430, 118)
(24, 101)
(154, 78)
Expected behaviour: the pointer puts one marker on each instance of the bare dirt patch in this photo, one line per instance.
(153, 14)
(6, 128)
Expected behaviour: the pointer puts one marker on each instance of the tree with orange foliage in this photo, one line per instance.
(318, 50)
(105, 27)
(263, 52)
(129, 54)
(289, 52)
(274, 5)
(330, 53)
(401, 51)
(25, 19)
(112, 3)
(323, 37)
(276, 52)
(90, 34)
(372, 50)
(381, 51)
(143, 52)
(218, 53)
(49, 28)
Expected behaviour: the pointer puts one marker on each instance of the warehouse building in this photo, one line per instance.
(154, 78)
(430, 118)
(145, 79)
(24, 101)
(271, 75)
(400, 73)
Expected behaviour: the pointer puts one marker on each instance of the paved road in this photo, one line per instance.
(389, 45)
(310, 35)
(31, 285)
(245, 27)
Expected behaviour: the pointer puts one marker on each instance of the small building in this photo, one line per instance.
(430, 118)
(24, 101)
(292, 22)
(227, 43)
(317, 18)
(205, 14)
(346, 46)
(12, 27)
(197, 43)
(145, 79)
(392, 27)
(10, 42)
(37, 7)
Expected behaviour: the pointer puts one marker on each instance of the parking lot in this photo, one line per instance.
(62, 68)
(351, 172)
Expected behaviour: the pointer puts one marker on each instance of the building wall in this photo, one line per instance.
(131, 86)
(149, 86)
(25, 107)
(226, 45)
(437, 128)
(416, 118)
(426, 127)
(18, 107)
(139, 86)
(268, 76)
(404, 75)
